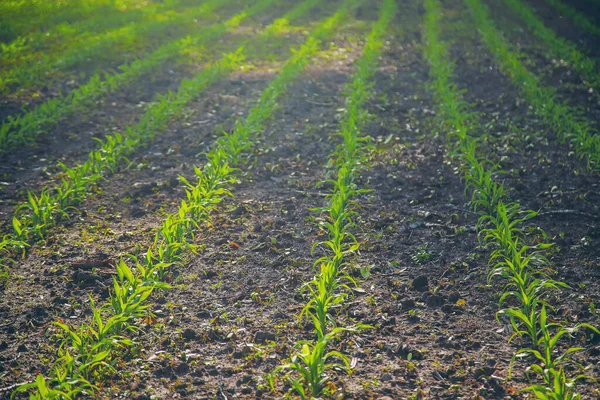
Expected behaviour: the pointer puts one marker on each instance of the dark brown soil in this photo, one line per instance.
(231, 316)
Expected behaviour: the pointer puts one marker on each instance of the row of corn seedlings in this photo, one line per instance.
(567, 124)
(522, 266)
(308, 367)
(92, 350)
(22, 129)
(579, 18)
(57, 36)
(33, 71)
(18, 16)
(79, 31)
(556, 46)
(300, 9)
(34, 217)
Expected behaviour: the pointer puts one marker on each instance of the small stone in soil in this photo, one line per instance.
(408, 304)
(453, 297)
(189, 334)
(263, 337)
(420, 283)
(435, 301)
(182, 369)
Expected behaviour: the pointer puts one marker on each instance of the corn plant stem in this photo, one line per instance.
(556, 115)
(579, 18)
(176, 235)
(328, 288)
(556, 46)
(34, 217)
(30, 73)
(500, 218)
(44, 41)
(23, 129)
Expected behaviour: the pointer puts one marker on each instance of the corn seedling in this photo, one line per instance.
(311, 364)
(546, 343)
(499, 225)
(560, 388)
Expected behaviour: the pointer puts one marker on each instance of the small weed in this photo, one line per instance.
(422, 255)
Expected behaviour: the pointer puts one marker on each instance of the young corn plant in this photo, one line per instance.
(327, 290)
(547, 348)
(311, 364)
(90, 352)
(83, 354)
(559, 386)
(499, 225)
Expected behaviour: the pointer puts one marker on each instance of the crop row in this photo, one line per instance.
(556, 46)
(57, 37)
(34, 217)
(579, 18)
(18, 16)
(19, 130)
(564, 121)
(91, 351)
(307, 370)
(30, 72)
(522, 266)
